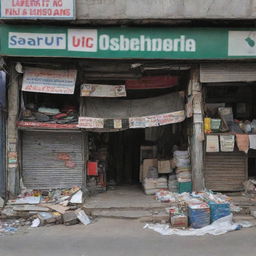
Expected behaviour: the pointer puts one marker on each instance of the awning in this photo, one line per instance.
(136, 113)
(152, 82)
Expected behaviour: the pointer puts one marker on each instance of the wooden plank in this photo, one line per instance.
(56, 207)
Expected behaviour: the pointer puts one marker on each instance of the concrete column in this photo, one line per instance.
(12, 134)
(198, 135)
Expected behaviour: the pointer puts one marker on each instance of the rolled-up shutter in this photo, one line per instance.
(52, 159)
(225, 171)
(227, 72)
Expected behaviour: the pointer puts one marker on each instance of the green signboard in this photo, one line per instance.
(119, 43)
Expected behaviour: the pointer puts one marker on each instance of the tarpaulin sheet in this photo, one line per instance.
(139, 113)
(124, 109)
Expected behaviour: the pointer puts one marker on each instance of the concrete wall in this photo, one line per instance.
(165, 9)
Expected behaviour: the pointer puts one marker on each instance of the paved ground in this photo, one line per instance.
(113, 237)
(122, 197)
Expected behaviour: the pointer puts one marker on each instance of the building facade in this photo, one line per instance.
(97, 80)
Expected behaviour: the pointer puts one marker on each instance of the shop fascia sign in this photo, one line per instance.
(117, 43)
(38, 9)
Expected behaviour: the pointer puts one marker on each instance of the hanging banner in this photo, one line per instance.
(157, 120)
(134, 122)
(102, 90)
(49, 81)
(90, 122)
(38, 9)
(171, 118)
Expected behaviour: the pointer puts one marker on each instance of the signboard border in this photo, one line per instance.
(212, 43)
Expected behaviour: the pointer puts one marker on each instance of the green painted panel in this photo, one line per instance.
(117, 42)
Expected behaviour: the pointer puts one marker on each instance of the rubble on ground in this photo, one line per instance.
(198, 214)
(11, 226)
(43, 207)
(250, 186)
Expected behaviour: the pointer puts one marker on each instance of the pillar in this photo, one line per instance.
(12, 134)
(197, 132)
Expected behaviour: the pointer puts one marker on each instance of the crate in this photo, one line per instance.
(185, 187)
(199, 217)
(219, 210)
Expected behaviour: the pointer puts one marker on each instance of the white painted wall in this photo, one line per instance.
(165, 9)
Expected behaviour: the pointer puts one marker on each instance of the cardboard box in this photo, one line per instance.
(179, 221)
(164, 166)
(146, 164)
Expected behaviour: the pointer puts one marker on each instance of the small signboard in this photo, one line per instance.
(90, 122)
(103, 90)
(38, 9)
(157, 120)
(49, 81)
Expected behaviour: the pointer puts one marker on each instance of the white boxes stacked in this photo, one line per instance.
(182, 162)
(162, 183)
(173, 183)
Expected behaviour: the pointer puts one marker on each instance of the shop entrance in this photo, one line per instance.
(147, 124)
(234, 160)
(120, 155)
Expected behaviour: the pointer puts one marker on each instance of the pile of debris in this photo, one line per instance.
(43, 207)
(250, 186)
(197, 214)
(173, 174)
(12, 226)
(196, 209)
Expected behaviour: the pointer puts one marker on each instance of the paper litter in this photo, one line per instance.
(218, 227)
(35, 223)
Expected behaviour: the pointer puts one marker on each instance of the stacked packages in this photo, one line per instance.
(152, 183)
(173, 183)
(183, 170)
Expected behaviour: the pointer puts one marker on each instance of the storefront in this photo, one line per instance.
(105, 94)
(229, 92)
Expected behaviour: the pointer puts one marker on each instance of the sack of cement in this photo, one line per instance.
(162, 183)
(181, 154)
(184, 176)
(152, 173)
(149, 183)
(181, 158)
(149, 186)
(151, 191)
(164, 166)
(173, 186)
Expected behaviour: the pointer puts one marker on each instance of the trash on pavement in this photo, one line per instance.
(82, 217)
(44, 207)
(35, 223)
(218, 227)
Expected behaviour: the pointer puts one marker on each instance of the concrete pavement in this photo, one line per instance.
(119, 237)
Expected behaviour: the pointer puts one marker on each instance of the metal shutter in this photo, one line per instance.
(227, 72)
(225, 171)
(42, 167)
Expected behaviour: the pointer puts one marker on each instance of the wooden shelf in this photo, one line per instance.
(24, 125)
